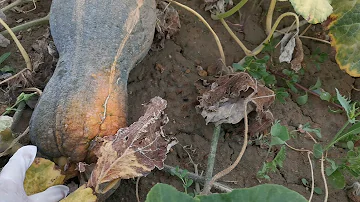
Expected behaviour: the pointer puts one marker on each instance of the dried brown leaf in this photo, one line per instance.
(217, 6)
(261, 123)
(134, 151)
(225, 101)
(167, 25)
(299, 55)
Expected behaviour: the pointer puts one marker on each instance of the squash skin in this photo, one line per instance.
(87, 95)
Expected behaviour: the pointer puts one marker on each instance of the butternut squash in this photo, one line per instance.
(99, 42)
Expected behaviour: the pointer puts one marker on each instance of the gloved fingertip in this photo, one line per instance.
(52, 194)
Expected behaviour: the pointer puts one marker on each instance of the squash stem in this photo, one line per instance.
(211, 158)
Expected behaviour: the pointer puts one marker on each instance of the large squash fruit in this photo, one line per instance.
(99, 42)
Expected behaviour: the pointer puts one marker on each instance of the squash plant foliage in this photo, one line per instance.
(343, 25)
(265, 193)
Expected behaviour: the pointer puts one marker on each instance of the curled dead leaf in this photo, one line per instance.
(217, 6)
(167, 24)
(133, 151)
(287, 47)
(225, 101)
(299, 55)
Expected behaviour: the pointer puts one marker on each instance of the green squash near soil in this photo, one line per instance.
(99, 42)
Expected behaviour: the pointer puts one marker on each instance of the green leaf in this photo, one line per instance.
(7, 69)
(313, 11)
(281, 94)
(325, 96)
(279, 134)
(350, 145)
(317, 85)
(264, 193)
(270, 79)
(301, 100)
(291, 86)
(318, 190)
(305, 182)
(238, 67)
(345, 103)
(166, 193)
(344, 34)
(318, 151)
(4, 56)
(306, 127)
(332, 168)
(337, 180)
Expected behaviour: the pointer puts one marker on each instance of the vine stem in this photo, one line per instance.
(18, 44)
(229, 12)
(27, 25)
(222, 55)
(259, 48)
(231, 167)
(197, 178)
(211, 158)
(269, 16)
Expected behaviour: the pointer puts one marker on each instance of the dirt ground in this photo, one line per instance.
(194, 46)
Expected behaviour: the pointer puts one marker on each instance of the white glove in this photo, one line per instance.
(12, 179)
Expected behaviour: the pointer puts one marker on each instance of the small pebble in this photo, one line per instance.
(159, 67)
(187, 71)
(202, 73)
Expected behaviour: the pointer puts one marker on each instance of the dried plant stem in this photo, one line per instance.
(222, 55)
(33, 89)
(211, 158)
(197, 178)
(14, 76)
(311, 167)
(137, 189)
(315, 39)
(14, 142)
(312, 177)
(40, 21)
(306, 29)
(288, 29)
(231, 167)
(269, 16)
(324, 178)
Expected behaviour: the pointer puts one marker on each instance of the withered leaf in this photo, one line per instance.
(217, 6)
(287, 47)
(299, 55)
(167, 24)
(225, 101)
(134, 151)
